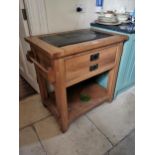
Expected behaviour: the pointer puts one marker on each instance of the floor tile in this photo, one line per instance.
(27, 136)
(115, 119)
(132, 90)
(31, 110)
(47, 128)
(82, 138)
(29, 143)
(33, 149)
(125, 147)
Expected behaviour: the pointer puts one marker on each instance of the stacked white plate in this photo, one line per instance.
(107, 18)
(112, 19)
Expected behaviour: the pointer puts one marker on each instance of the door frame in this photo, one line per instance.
(26, 69)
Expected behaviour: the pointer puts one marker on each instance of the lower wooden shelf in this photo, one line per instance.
(76, 107)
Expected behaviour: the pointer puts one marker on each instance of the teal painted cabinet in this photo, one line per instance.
(126, 73)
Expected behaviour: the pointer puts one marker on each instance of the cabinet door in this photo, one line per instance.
(26, 69)
(127, 66)
(130, 71)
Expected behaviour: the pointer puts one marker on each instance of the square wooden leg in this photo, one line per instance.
(61, 95)
(112, 75)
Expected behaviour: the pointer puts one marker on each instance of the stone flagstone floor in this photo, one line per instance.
(105, 130)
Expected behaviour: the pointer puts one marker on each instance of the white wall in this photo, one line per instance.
(118, 4)
(61, 14)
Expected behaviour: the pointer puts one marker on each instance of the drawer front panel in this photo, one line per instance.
(88, 64)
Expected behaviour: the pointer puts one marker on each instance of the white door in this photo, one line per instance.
(26, 68)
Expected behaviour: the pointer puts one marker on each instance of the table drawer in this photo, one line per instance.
(89, 64)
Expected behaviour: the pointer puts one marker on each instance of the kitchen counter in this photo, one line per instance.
(126, 73)
(125, 28)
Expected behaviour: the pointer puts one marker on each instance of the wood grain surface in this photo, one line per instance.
(69, 69)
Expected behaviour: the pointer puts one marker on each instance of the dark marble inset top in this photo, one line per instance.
(73, 37)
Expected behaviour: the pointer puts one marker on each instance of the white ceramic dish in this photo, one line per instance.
(108, 23)
(122, 17)
(107, 19)
(107, 14)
